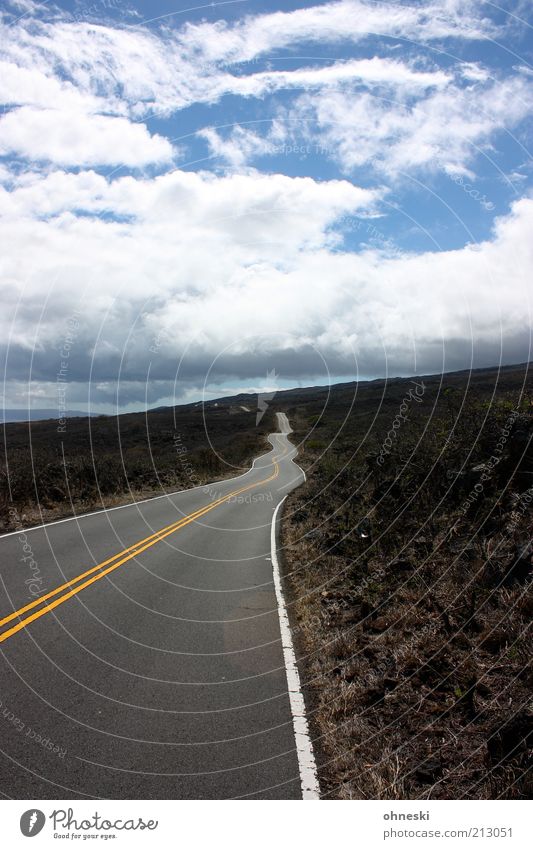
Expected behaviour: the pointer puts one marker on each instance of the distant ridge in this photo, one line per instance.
(301, 392)
(25, 415)
(283, 396)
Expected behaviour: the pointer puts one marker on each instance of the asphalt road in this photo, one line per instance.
(160, 673)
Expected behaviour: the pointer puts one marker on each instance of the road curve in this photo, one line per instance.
(141, 652)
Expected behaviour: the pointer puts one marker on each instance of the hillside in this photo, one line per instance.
(48, 471)
(408, 562)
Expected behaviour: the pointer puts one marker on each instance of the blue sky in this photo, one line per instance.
(197, 198)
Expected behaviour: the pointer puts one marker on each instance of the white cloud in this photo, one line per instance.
(348, 20)
(238, 147)
(442, 131)
(30, 86)
(247, 265)
(26, 6)
(100, 74)
(179, 196)
(378, 71)
(474, 71)
(80, 139)
(197, 63)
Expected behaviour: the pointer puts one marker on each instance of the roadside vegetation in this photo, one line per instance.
(49, 470)
(408, 558)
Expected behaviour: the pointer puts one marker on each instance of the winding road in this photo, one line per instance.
(141, 650)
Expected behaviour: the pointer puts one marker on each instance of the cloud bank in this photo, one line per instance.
(191, 249)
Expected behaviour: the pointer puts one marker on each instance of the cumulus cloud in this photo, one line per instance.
(75, 138)
(239, 273)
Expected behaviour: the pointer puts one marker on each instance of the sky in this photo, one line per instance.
(243, 196)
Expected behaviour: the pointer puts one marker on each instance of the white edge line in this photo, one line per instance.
(304, 747)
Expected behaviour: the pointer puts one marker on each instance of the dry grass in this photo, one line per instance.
(413, 641)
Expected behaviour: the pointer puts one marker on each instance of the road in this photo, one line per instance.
(148, 661)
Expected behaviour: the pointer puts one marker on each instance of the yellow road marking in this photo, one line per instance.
(94, 569)
(130, 552)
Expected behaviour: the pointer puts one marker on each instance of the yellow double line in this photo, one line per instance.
(115, 561)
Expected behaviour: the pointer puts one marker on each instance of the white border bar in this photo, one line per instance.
(304, 747)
